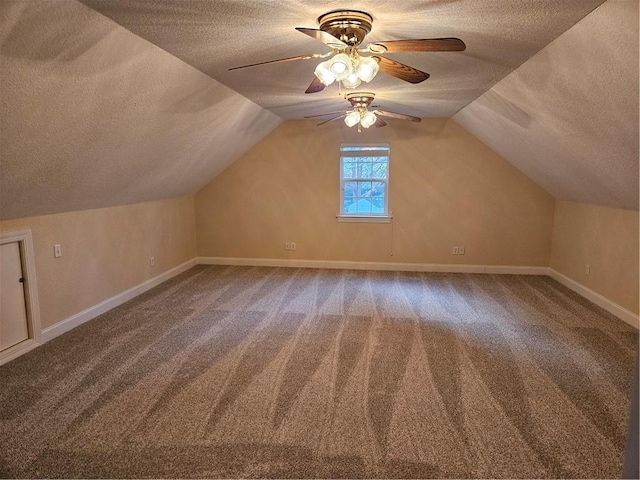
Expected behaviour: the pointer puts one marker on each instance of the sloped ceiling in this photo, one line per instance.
(94, 116)
(96, 112)
(216, 35)
(568, 117)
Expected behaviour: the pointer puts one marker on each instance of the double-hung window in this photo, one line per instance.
(364, 182)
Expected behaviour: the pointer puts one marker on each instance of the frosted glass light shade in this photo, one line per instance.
(323, 72)
(351, 119)
(367, 68)
(340, 66)
(351, 81)
(368, 119)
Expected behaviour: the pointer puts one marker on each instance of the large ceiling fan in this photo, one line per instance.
(360, 114)
(343, 31)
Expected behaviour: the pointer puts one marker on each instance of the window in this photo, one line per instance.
(364, 182)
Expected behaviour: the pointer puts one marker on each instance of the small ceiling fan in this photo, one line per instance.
(343, 31)
(360, 114)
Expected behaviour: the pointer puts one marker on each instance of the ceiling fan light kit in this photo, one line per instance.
(367, 68)
(351, 70)
(368, 119)
(352, 118)
(352, 81)
(340, 66)
(323, 73)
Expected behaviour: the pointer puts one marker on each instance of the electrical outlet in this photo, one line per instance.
(460, 250)
(587, 269)
(454, 251)
(152, 261)
(57, 251)
(293, 245)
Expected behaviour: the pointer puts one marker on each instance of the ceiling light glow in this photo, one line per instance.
(368, 119)
(323, 72)
(352, 118)
(367, 68)
(351, 70)
(352, 81)
(341, 66)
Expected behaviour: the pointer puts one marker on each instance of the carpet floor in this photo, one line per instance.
(303, 373)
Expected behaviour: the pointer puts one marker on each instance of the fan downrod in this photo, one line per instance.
(350, 26)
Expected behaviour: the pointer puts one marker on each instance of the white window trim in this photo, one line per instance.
(359, 217)
(364, 218)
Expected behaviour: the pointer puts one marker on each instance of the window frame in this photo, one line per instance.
(383, 148)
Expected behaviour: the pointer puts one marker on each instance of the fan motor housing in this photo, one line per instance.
(360, 99)
(350, 26)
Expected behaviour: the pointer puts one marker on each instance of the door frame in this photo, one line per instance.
(27, 258)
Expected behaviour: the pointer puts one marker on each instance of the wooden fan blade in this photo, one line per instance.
(422, 45)
(281, 60)
(315, 87)
(331, 119)
(400, 70)
(323, 36)
(341, 112)
(401, 116)
(379, 123)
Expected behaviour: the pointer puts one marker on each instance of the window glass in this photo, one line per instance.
(363, 180)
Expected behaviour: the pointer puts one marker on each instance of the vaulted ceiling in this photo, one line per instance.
(139, 104)
(568, 117)
(214, 36)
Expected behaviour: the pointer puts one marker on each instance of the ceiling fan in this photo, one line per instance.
(360, 114)
(343, 31)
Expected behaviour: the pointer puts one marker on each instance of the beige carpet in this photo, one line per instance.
(267, 372)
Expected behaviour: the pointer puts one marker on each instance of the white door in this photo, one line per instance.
(13, 313)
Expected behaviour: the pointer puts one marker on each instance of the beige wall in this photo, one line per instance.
(446, 189)
(604, 238)
(105, 251)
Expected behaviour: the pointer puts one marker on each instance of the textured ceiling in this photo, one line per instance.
(214, 35)
(568, 117)
(93, 116)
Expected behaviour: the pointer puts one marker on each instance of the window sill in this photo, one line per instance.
(364, 218)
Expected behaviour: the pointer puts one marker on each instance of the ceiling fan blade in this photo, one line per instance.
(401, 116)
(422, 45)
(315, 87)
(400, 70)
(341, 112)
(323, 36)
(331, 119)
(281, 60)
(379, 123)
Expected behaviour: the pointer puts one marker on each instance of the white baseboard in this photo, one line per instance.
(92, 312)
(386, 266)
(102, 307)
(611, 307)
